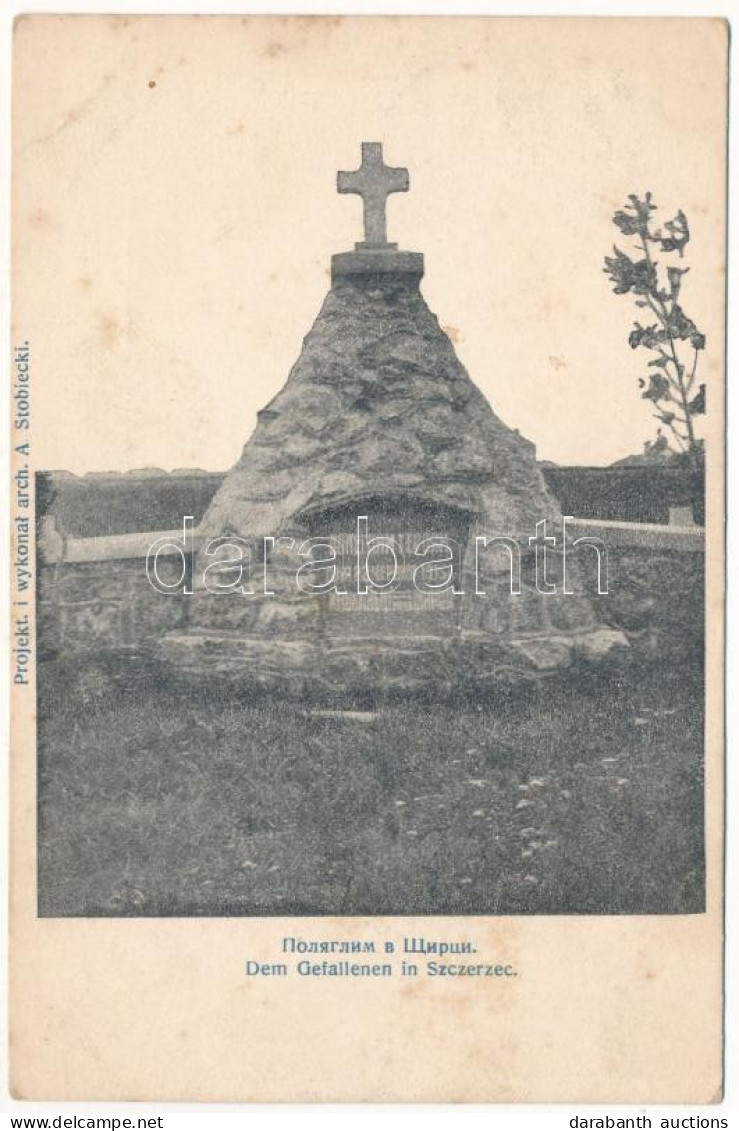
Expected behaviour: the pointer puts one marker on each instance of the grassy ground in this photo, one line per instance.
(577, 800)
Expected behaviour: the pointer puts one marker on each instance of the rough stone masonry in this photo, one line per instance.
(379, 419)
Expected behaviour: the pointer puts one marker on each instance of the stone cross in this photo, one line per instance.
(373, 181)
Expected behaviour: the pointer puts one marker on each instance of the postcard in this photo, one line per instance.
(367, 558)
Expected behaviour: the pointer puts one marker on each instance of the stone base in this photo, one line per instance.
(372, 665)
(381, 261)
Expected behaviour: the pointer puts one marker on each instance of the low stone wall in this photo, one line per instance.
(94, 597)
(87, 608)
(657, 599)
(655, 587)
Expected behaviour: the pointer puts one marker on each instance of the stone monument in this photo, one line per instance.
(379, 422)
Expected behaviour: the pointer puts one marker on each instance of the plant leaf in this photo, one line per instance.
(658, 388)
(697, 406)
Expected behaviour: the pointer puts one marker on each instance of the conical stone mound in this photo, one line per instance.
(379, 419)
(378, 403)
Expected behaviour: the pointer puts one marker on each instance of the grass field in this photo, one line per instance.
(575, 800)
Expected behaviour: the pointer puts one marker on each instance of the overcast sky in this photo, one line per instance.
(175, 213)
